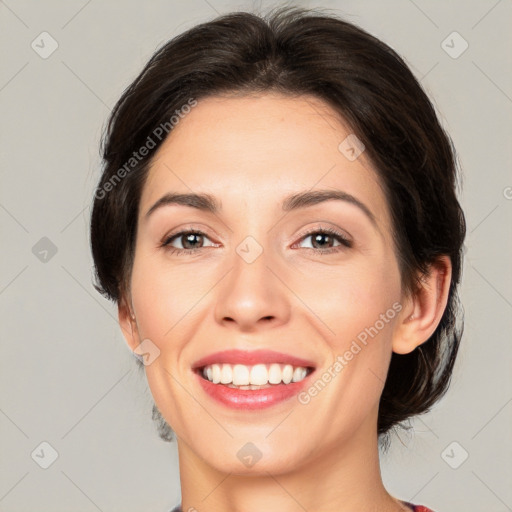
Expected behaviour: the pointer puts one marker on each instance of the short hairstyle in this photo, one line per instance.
(296, 51)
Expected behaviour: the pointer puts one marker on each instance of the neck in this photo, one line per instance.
(343, 478)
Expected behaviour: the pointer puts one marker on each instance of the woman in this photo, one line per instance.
(278, 224)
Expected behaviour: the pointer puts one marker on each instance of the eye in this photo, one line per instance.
(189, 241)
(322, 236)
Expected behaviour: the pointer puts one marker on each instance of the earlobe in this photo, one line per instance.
(128, 324)
(425, 308)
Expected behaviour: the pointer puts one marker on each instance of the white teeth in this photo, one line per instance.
(240, 375)
(226, 374)
(287, 374)
(299, 374)
(215, 374)
(274, 374)
(250, 377)
(259, 375)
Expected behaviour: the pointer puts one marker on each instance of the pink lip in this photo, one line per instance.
(251, 358)
(247, 399)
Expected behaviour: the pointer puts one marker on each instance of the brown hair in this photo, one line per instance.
(299, 51)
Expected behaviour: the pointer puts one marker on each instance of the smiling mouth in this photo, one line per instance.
(253, 377)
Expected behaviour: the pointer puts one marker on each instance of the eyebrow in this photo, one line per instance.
(208, 203)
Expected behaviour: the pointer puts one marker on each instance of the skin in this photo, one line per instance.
(250, 152)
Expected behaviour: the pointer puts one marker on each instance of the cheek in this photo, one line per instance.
(170, 301)
(161, 297)
(350, 299)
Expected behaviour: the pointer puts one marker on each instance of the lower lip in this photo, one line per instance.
(251, 399)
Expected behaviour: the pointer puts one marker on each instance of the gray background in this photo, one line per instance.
(67, 377)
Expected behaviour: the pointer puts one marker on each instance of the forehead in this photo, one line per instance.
(258, 149)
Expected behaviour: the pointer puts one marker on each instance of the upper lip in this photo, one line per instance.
(250, 358)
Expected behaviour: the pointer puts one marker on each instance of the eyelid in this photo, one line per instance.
(345, 242)
(307, 231)
(185, 229)
(336, 231)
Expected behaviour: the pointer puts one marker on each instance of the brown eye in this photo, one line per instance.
(190, 241)
(325, 239)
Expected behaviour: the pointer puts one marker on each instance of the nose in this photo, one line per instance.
(252, 296)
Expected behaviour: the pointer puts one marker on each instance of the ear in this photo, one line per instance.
(424, 309)
(128, 324)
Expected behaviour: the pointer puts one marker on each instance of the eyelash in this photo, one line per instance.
(345, 242)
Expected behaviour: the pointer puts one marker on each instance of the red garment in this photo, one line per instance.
(417, 508)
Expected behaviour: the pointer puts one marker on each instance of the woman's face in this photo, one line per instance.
(258, 281)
